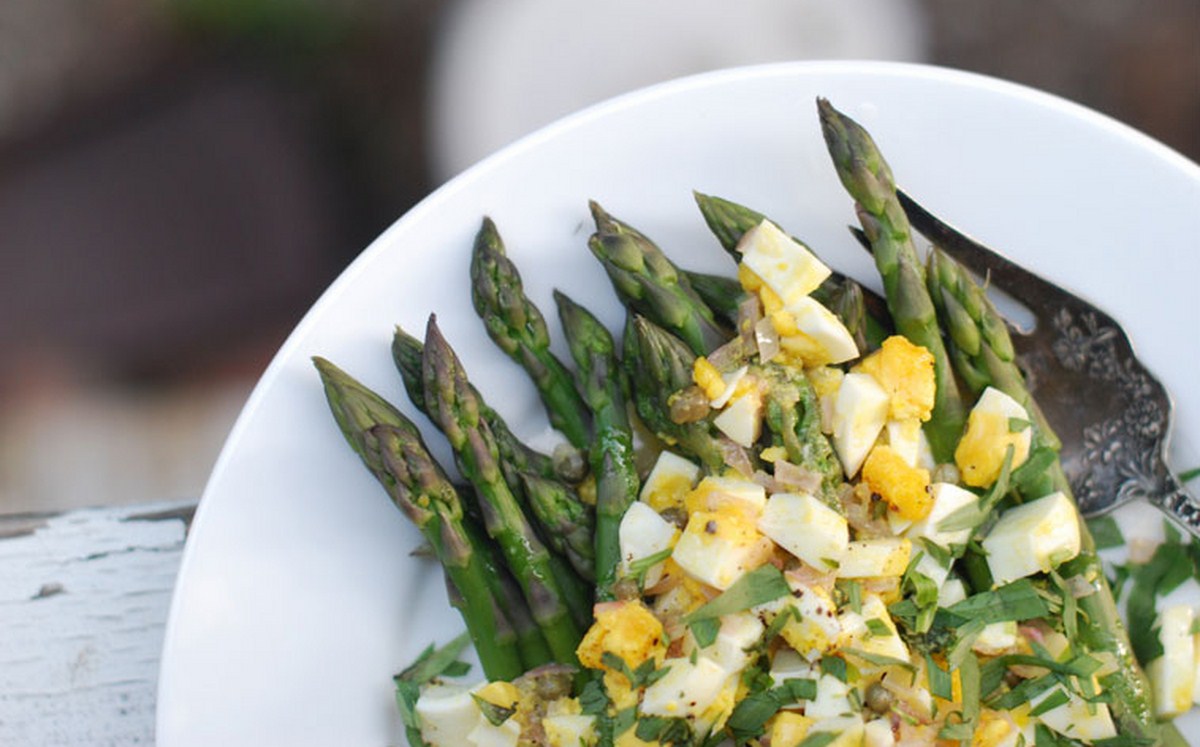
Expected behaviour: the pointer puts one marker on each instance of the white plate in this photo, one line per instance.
(297, 599)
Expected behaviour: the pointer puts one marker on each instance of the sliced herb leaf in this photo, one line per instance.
(640, 567)
(835, 666)
(877, 628)
(1105, 532)
(759, 586)
(495, 715)
(1189, 474)
(432, 662)
(972, 515)
(878, 660)
(1018, 600)
(1052, 701)
(941, 684)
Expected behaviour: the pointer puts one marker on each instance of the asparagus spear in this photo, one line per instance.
(518, 327)
(979, 342)
(868, 179)
(565, 521)
(407, 352)
(723, 295)
(855, 306)
(611, 455)
(651, 285)
(984, 347)
(454, 406)
(391, 447)
(659, 367)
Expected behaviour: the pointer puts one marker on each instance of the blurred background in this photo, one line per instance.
(180, 179)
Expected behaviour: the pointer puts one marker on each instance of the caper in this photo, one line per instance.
(879, 699)
(626, 588)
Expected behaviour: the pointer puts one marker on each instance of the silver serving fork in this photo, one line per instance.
(1112, 414)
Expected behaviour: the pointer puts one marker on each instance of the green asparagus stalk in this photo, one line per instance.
(984, 350)
(391, 447)
(611, 456)
(651, 285)
(659, 367)
(856, 307)
(979, 342)
(793, 416)
(455, 408)
(723, 295)
(564, 520)
(518, 327)
(868, 179)
(407, 352)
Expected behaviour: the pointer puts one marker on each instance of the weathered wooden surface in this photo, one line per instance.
(83, 605)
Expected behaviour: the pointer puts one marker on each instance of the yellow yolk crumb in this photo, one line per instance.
(708, 378)
(500, 694)
(905, 488)
(626, 629)
(905, 371)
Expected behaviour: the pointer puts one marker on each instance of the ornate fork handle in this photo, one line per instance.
(1178, 502)
(1112, 414)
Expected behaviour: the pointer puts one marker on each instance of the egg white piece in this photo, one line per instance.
(822, 325)
(643, 533)
(804, 526)
(1034, 537)
(859, 413)
(784, 264)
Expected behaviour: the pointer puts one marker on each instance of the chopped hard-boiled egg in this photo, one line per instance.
(807, 528)
(783, 264)
(996, 638)
(448, 714)
(872, 631)
(570, 730)
(859, 414)
(1173, 675)
(1034, 537)
(905, 488)
(947, 498)
(669, 481)
(833, 700)
(733, 383)
(687, 689)
(741, 419)
(643, 533)
(905, 371)
(904, 437)
(718, 547)
(714, 493)
(875, 557)
(996, 422)
(849, 730)
(487, 734)
(878, 733)
(953, 591)
(788, 729)
(739, 631)
(820, 337)
(1076, 718)
(627, 629)
(812, 626)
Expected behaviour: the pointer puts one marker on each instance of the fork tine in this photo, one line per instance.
(1036, 292)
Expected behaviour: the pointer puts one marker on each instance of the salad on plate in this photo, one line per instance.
(786, 512)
